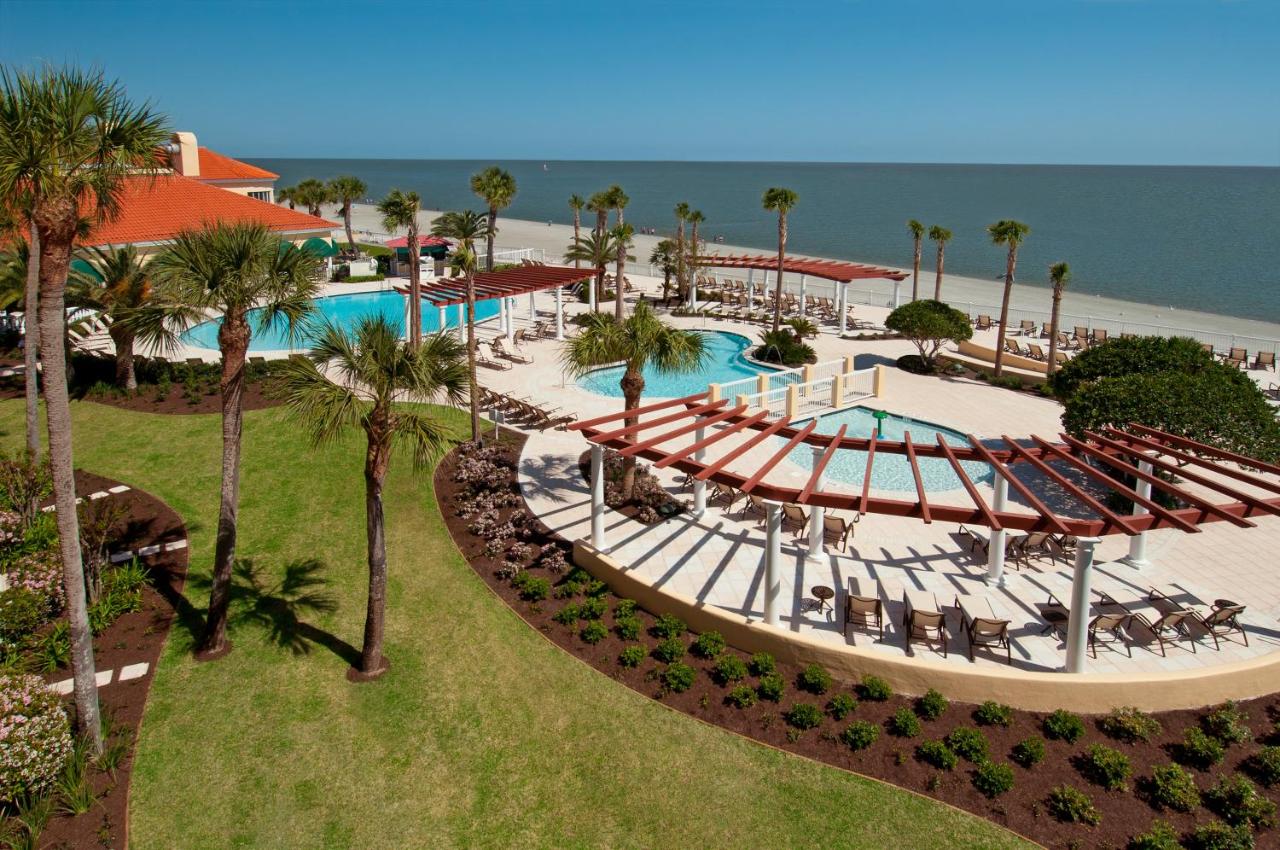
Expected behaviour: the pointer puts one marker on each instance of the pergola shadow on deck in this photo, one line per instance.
(1212, 486)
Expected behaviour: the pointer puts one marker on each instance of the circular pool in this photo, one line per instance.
(724, 362)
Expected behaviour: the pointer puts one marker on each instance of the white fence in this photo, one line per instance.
(801, 400)
(783, 378)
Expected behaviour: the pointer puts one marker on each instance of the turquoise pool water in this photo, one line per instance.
(890, 472)
(343, 310)
(724, 362)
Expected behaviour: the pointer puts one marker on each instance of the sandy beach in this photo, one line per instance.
(977, 295)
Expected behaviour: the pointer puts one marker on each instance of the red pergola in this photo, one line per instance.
(519, 280)
(423, 242)
(840, 272)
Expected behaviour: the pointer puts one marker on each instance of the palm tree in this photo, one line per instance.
(345, 191)
(917, 235)
(682, 211)
(372, 369)
(640, 340)
(69, 140)
(621, 236)
(496, 188)
(618, 200)
(120, 289)
(940, 235)
(576, 203)
(600, 204)
(400, 209)
(464, 228)
(285, 195)
(231, 269)
(1009, 233)
(1059, 276)
(781, 201)
(597, 250)
(312, 194)
(20, 287)
(664, 257)
(695, 218)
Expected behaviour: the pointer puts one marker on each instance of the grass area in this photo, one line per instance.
(482, 734)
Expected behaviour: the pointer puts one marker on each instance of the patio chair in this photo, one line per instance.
(1060, 357)
(488, 362)
(724, 491)
(258, 361)
(864, 610)
(988, 632)
(498, 349)
(1169, 626)
(982, 323)
(1265, 360)
(754, 505)
(1032, 544)
(1027, 327)
(1045, 330)
(795, 516)
(1222, 621)
(1067, 343)
(1207, 346)
(1035, 352)
(1108, 629)
(1081, 336)
(542, 420)
(1272, 391)
(520, 337)
(927, 626)
(1099, 336)
(837, 530)
(1011, 346)
(1237, 357)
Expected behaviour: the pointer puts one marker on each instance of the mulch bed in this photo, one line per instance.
(175, 401)
(890, 758)
(133, 638)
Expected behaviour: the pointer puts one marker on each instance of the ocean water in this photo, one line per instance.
(1201, 238)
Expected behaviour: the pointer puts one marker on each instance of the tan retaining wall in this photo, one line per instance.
(988, 355)
(1081, 692)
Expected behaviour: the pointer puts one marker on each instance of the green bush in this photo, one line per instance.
(633, 656)
(668, 626)
(860, 734)
(708, 645)
(1161, 836)
(624, 608)
(628, 627)
(1130, 725)
(929, 324)
(531, 588)
(729, 668)
(1130, 356)
(743, 696)
(670, 649)
(842, 705)
(804, 715)
(992, 779)
(1228, 724)
(678, 677)
(762, 664)
(932, 705)
(1071, 805)
(1063, 726)
(1028, 752)
(814, 679)
(592, 608)
(1199, 750)
(1106, 767)
(568, 615)
(1216, 835)
(1237, 801)
(904, 723)
(968, 743)
(937, 754)
(1171, 787)
(785, 347)
(771, 687)
(593, 632)
(22, 612)
(1265, 765)
(37, 736)
(875, 689)
(992, 713)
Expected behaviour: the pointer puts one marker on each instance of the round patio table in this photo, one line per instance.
(823, 594)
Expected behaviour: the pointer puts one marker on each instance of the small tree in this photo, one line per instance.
(929, 324)
(664, 257)
(1127, 356)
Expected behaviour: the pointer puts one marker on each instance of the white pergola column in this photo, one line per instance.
(591, 294)
(699, 485)
(407, 329)
(1078, 622)
(462, 321)
(751, 289)
(844, 306)
(511, 318)
(803, 292)
(693, 291)
(1137, 557)
(597, 499)
(559, 314)
(772, 560)
(533, 315)
(817, 515)
(897, 290)
(444, 319)
(995, 547)
(502, 315)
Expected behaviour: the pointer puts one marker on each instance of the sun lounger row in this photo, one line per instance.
(521, 411)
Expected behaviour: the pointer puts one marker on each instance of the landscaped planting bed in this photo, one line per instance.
(1209, 779)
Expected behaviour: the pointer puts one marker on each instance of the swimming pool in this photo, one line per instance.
(890, 471)
(724, 362)
(342, 310)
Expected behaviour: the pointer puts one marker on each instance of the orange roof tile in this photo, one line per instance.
(216, 166)
(156, 208)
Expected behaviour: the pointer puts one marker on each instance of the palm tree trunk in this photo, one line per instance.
(693, 254)
(577, 225)
(346, 221)
(123, 339)
(488, 239)
(472, 392)
(414, 330)
(1053, 332)
(937, 281)
(600, 272)
(56, 237)
(782, 254)
(31, 346)
(619, 288)
(233, 340)
(1004, 308)
(632, 384)
(372, 661)
(682, 288)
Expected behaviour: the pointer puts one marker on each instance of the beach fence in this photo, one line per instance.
(810, 390)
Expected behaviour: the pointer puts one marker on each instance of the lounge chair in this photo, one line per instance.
(1265, 360)
(927, 626)
(1066, 343)
(754, 505)
(1099, 336)
(837, 530)
(1169, 626)
(1272, 391)
(1222, 621)
(1060, 357)
(520, 337)
(1011, 346)
(1081, 336)
(987, 631)
(982, 323)
(1027, 327)
(724, 491)
(500, 351)
(795, 516)
(1108, 629)
(542, 420)
(1207, 346)
(1033, 544)
(1035, 352)
(484, 360)
(1237, 357)
(863, 609)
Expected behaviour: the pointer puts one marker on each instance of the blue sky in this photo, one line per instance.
(1080, 81)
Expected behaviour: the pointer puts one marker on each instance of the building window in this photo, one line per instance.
(262, 196)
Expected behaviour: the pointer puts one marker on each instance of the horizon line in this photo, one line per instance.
(779, 162)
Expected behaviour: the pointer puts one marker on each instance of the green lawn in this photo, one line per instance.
(482, 735)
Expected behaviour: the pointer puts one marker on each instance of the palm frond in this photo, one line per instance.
(425, 435)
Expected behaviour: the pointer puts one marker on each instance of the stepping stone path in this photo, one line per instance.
(93, 497)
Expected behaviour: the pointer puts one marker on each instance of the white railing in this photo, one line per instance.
(858, 385)
(781, 378)
(772, 402)
(515, 255)
(812, 398)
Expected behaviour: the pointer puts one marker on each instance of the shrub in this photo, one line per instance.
(860, 734)
(592, 608)
(678, 677)
(1130, 725)
(35, 736)
(904, 723)
(624, 608)
(1161, 836)
(814, 679)
(771, 687)
(992, 713)
(1237, 801)
(668, 626)
(938, 754)
(633, 655)
(532, 588)
(729, 668)
(932, 705)
(842, 705)
(762, 664)
(874, 688)
(1028, 752)
(628, 627)
(1227, 724)
(1063, 726)
(1106, 767)
(1071, 805)
(1199, 750)
(784, 346)
(804, 715)
(22, 611)
(743, 696)
(968, 743)
(594, 632)
(568, 615)
(708, 645)
(1217, 835)
(929, 324)
(670, 649)
(1171, 787)
(993, 779)
(1265, 765)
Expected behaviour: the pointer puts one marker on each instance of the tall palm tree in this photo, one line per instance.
(695, 218)
(372, 372)
(917, 236)
(284, 195)
(312, 194)
(780, 201)
(464, 228)
(576, 203)
(682, 211)
(1059, 276)
(69, 140)
(600, 203)
(941, 236)
(1009, 233)
(120, 289)
(618, 200)
(496, 188)
(400, 209)
(597, 250)
(621, 235)
(640, 340)
(345, 191)
(664, 257)
(231, 269)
